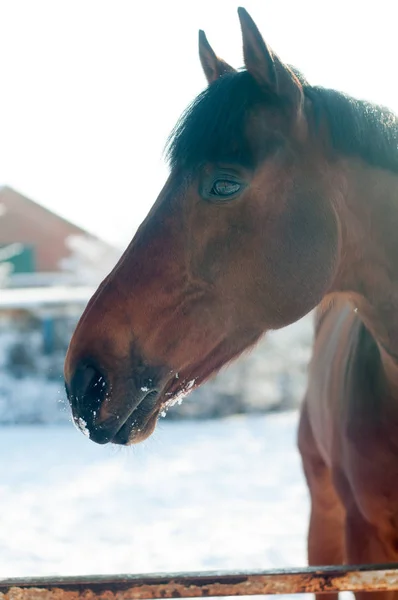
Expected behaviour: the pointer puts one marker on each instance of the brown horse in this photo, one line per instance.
(281, 197)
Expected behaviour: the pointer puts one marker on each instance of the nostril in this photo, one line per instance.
(87, 391)
(90, 378)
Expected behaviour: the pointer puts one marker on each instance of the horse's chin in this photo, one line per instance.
(142, 422)
(135, 432)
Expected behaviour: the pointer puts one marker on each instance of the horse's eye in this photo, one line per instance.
(225, 188)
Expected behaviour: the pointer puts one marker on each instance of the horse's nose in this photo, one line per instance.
(86, 392)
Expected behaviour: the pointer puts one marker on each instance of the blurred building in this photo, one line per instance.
(49, 269)
(40, 248)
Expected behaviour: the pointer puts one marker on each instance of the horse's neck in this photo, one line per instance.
(368, 271)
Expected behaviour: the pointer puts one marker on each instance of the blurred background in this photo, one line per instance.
(90, 92)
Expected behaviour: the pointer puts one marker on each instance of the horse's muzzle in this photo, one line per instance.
(122, 412)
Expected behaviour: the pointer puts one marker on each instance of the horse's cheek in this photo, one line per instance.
(301, 256)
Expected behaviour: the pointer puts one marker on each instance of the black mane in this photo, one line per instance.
(358, 128)
(213, 126)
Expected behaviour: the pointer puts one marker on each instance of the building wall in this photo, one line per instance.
(25, 221)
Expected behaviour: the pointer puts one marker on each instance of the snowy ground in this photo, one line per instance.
(226, 494)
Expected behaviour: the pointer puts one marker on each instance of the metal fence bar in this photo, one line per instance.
(196, 585)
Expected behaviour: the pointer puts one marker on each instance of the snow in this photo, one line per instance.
(31, 400)
(178, 397)
(38, 297)
(220, 494)
(82, 426)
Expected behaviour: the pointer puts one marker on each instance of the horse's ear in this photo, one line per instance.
(213, 66)
(264, 65)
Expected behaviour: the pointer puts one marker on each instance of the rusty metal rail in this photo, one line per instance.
(196, 585)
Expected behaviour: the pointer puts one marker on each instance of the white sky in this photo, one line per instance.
(90, 89)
